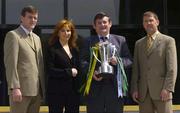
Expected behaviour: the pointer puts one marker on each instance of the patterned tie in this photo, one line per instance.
(149, 42)
(31, 39)
(103, 39)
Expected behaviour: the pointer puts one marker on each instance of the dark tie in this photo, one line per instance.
(103, 39)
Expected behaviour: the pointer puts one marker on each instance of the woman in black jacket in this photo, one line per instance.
(63, 64)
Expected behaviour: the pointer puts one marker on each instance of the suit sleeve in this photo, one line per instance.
(125, 55)
(85, 57)
(171, 65)
(11, 49)
(135, 72)
(41, 60)
(41, 69)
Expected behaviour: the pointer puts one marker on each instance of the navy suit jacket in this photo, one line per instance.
(118, 41)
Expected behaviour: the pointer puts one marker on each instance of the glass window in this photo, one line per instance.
(0, 10)
(82, 12)
(50, 11)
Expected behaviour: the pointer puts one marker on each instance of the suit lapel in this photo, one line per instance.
(35, 48)
(25, 37)
(94, 40)
(143, 45)
(155, 45)
(34, 45)
(29, 43)
(111, 39)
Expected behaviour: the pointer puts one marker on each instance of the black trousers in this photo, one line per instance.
(103, 98)
(68, 102)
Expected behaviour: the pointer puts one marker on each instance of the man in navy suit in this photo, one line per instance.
(103, 95)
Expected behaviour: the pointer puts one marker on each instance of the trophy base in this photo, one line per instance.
(106, 70)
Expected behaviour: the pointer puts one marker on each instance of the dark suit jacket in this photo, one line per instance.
(59, 69)
(118, 41)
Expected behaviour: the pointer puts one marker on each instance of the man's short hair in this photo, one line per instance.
(151, 13)
(100, 15)
(29, 9)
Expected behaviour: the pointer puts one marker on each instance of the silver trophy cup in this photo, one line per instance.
(106, 51)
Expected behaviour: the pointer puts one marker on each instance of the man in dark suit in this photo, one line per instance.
(154, 69)
(103, 96)
(23, 61)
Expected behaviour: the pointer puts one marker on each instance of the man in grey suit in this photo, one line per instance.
(103, 96)
(154, 69)
(24, 65)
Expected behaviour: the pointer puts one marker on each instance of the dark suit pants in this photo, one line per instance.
(57, 102)
(103, 98)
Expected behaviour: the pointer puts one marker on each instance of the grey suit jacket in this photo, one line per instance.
(122, 50)
(155, 70)
(23, 63)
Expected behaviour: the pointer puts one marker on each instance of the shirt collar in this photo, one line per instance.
(25, 30)
(104, 36)
(154, 35)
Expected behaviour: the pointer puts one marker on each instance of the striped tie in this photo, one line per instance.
(149, 42)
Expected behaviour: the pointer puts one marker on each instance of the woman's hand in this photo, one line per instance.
(74, 72)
